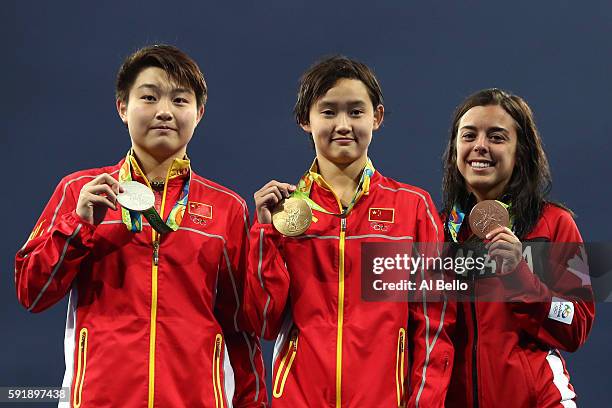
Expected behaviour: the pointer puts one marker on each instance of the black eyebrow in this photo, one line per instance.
(350, 103)
(497, 129)
(174, 90)
(149, 86)
(489, 130)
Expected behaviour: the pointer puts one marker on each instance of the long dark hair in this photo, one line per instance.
(530, 182)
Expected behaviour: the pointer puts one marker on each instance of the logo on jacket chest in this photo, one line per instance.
(200, 213)
(381, 219)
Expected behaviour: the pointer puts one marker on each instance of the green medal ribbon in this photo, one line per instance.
(305, 184)
(133, 219)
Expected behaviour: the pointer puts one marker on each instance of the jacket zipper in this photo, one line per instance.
(341, 244)
(155, 238)
(340, 311)
(218, 391)
(474, 345)
(81, 366)
(156, 252)
(277, 391)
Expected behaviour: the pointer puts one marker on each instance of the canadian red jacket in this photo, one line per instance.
(333, 349)
(145, 330)
(507, 353)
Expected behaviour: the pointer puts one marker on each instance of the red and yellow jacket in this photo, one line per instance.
(153, 321)
(507, 352)
(333, 349)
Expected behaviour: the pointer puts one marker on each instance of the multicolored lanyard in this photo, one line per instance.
(457, 216)
(133, 219)
(305, 184)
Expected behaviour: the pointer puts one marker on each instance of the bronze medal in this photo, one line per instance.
(292, 216)
(486, 216)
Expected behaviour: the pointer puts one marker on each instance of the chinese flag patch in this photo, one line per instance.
(200, 209)
(382, 214)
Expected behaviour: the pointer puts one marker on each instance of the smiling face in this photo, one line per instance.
(161, 115)
(486, 143)
(342, 121)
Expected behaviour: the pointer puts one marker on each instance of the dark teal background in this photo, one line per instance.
(58, 65)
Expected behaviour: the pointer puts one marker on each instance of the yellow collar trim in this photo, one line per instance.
(178, 168)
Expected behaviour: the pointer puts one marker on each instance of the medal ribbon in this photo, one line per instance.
(305, 184)
(133, 219)
(457, 216)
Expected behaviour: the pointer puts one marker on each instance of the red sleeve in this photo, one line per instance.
(267, 282)
(51, 258)
(565, 317)
(431, 349)
(244, 349)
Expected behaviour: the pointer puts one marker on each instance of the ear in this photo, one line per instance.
(306, 126)
(122, 110)
(379, 115)
(200, 114)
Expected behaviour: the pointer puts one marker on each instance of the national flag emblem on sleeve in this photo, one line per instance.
(382, 215)
(200, 209)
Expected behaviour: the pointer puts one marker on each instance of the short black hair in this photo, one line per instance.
(322, 76)
(179, 66)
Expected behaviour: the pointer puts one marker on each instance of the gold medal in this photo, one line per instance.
(292, 216)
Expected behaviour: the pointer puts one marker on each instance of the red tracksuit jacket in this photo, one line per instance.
(140, 331)
(333, 349)
(507, 354)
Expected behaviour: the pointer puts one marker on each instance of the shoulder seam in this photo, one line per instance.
(231, 194)
(221, 190)
(422, 195)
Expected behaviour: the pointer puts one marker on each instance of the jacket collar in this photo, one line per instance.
(178, 171)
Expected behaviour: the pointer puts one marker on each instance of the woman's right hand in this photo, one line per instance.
(268, 197)
(96, 197)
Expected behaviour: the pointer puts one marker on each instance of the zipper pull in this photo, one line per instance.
(343, 224)
(402, 342)
(218, 353)
(155, 252)
(293, 342)
(82, 340)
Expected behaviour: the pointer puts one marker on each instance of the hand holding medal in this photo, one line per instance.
(291, 216)
(489, 219)
(96, 197)
(289, 207)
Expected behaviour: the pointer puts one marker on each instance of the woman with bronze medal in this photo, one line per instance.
(303, 285)
(496, 180)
